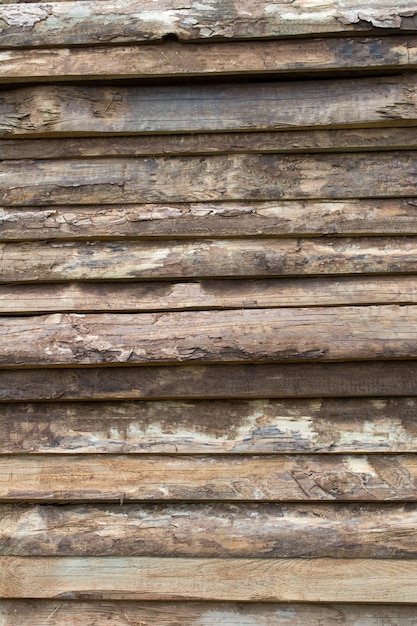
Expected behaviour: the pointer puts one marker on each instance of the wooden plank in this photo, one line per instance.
(207, 178)
(323, 425)
(208, 294)
(325, 140)
(261, 335)
(129, 478)
(210, 530)
(95, 23)
(211, 59)
(214, 219)
(73, 613)
(204, 258)
(301, 380)
(248, 580)
(59, 109)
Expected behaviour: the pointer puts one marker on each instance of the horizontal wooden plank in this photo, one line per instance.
(210, 530)
(208, 294)
(325, 140)
(289, 380)
(60, 109)
(206, 178)
(395, 216)
(92, 23)
(286, 334)
(116, 478)
(354, 425)
(73, 613)
(147, 578)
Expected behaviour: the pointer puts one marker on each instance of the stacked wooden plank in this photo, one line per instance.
(208, 342)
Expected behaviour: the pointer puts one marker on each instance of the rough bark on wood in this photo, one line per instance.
(207, 178)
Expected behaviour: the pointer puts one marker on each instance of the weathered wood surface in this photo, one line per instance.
(208, 294)
(117, 478)
(54, 109)
(211, 59)
(207, 178)
(95, 23)
(301, 380)
(204, 258)
(210, 530)
(217, 426)
(325, 140)
(286, 334)
(215, 219)
(73, 613)
(242, 580)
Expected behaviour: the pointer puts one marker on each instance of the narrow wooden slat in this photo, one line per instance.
(94, 23)
(217, 426)
(261, 580)
(210, 530)
(202, 179)
(116, 478)
(301, 380)
(286, 334)
(212, 219)
(55, 109)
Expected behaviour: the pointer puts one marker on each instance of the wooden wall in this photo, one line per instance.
(208, 342)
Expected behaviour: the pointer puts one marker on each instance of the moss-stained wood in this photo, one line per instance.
(285, 334)
(117, 478)
(211, 219)
(91, 23)
(208, 178)
(356, 425)
(301, 380)
(56, 109)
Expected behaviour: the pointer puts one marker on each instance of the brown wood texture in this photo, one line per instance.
(210, 59)
(54, 109)
(325, 140)
(267, 580)
(209, 294)
(95, 23)
(207, 178)
(211, 219)
(128, 478)
(122, 613)
(260, 335)
(331, 425)
(290, 380)
(210, 530)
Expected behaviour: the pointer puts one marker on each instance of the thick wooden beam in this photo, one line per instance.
(208, 178)
(228, 530)
(91, 23)
(261, 335)
(301, 380)
(286, 478)
(356, 425)
(243, 580)
(59, 109)
(214, 219)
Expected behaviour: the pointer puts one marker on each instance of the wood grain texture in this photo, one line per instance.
(73, 613)
(92, 23)
(210, 530)
(290, 380)
(209, 294)
(261, 335)
(147, 578)
(211, 219)
(54, 109)
(207, 178)
(128, 478)
(217, 426)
